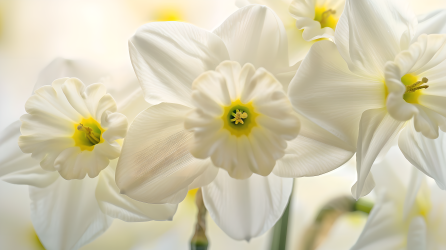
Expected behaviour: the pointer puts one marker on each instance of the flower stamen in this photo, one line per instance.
(417, 86)
(239, 116)
(325, 15)
(89, 134)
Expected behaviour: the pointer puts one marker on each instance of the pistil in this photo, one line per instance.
(417, 86)
(89, 134)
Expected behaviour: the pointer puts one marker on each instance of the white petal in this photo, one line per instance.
(383, 228)
(66, 214)
(254, 34)
(12, 159)
(368, 186)
(168, 56)
(314, 152)
(428, 155)
(74, 91)
(244, 209)
(376, 129)
(417, 235)
(431, 23)
(62, 67)
(410, 203)
(155, 165)
(35, 176)
(326, 92)
(119, 206)
(377, 29)
(116, 125)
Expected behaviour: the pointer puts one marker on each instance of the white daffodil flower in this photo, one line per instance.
(221, 120)
(73, 129)
(415, 222)
(383, 74)
(305, 21)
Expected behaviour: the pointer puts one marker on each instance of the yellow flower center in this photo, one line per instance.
(87, 134)
(413, 87)
(239, 118)
(326, 17)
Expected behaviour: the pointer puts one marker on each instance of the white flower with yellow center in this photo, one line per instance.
(242, 119)
(72, 128)
(76, 130)
(317, 18)
(408, 214)
(305, 21)
(382, 75)
(222, 121)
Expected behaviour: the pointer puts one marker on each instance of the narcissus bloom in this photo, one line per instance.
(74, 129)
(382, 75)
(408, 214)
(305, 21)
(221, 121)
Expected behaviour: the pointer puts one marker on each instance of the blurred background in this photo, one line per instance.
(33, 33)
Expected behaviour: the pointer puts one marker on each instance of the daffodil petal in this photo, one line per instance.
(254, 34)
(376, 130)
(326, 92)
(431, 23)
(34, 176)
(424, 153)
(378, 31)
(62, 67)
(417, 235)
(12, 158)
(168, 56)
(119, 206)
(245, 209)
(315, 151)
(382, 230)
(67, 221)
(155, 156)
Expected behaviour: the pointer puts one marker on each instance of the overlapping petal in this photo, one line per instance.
(428, 155)
(254, 34)
(116, 205)
(325, 91)
(168, 56)
(244, 209)
(155, 165)
(314, 152)
(376, 130)
(377, 31)
(66, 214)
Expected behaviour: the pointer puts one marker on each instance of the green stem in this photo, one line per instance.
(199, 241)
(280, 230)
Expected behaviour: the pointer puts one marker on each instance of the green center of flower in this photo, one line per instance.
(239, 118)
(87, 134)
(413, 85)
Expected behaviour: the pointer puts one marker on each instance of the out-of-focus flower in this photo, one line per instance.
(70, 213)
(417, 221)
(305, 21)
(239, 73)
(379, 77)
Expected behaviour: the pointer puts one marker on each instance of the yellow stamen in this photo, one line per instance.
(239, 116)
(325, 15)
(89, 134)
(417, 86)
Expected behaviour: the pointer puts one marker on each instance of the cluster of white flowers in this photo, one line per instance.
(279, 90)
